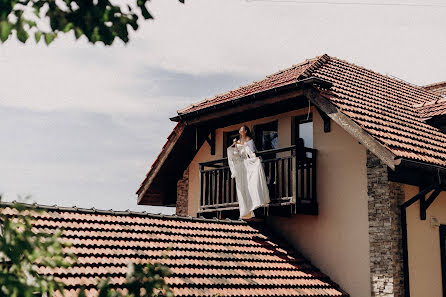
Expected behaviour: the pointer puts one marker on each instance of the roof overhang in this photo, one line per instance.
(193, 116)
(418, 173)
(159, 186)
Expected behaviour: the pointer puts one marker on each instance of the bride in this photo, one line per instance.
(247, 169)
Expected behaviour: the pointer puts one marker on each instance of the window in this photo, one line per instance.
(266, 136)
(303, 128)
(443, 256)
(228, 139)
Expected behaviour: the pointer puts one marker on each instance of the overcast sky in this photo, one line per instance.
(81, 124)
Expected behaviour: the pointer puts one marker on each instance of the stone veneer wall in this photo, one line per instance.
(182, 194)
(386, 260)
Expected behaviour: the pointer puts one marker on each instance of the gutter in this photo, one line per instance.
(430, 168)
(255, 96)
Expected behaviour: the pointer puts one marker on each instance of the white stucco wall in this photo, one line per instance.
(424, 246)
(336, 241)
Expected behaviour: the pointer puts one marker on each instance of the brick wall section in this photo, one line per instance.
(182, 194)
(386, 262)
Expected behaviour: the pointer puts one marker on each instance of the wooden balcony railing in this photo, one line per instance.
(290, 174)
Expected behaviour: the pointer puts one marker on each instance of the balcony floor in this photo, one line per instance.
(282, 207)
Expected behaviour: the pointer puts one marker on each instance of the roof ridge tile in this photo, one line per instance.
(313, 63)
(441, 83)
(117, 212)
(316, 63)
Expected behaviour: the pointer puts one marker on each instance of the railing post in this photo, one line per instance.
(201, 186)
(313, 182)
(294, 174)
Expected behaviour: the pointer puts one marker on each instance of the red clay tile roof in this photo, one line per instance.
(437, 88)
(275, 80)
(432, 109)
(208, 257)
(385, 107)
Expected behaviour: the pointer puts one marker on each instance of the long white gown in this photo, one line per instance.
(247, 169)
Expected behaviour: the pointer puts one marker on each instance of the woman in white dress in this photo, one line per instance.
(247, 169)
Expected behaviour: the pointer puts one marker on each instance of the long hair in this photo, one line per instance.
(248, 131)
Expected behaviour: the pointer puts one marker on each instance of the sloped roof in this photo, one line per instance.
(431, 109)
(275, 80)
(177, 152)
(437, 88)
(207, 257)
(385, 107)
(160, 159)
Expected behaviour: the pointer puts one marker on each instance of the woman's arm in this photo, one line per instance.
(250, 143)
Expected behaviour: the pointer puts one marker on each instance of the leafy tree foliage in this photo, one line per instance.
(143, 280)
(21, 250)
(98, 20)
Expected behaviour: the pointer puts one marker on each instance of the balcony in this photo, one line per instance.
(290, 174)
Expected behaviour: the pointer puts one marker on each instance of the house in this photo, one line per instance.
(364, 197)
(206, 257)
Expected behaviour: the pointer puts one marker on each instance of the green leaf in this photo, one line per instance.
(82, 292)
(49, 37)
(39, 4)
(95, 36)
(5, 30)
(68, 27)
(78, 33)
(22, 35)
(37, 36)
(36, 12)
(31, 23)
(145, 13)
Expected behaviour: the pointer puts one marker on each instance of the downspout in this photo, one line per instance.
(403, 208)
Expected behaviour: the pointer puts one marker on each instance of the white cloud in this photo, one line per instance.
(207, 37)
(258, 38)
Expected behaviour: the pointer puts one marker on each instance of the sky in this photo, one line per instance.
(81, 124)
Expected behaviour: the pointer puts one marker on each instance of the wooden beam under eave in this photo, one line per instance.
(351, 127)
(162, 158)
(240, 107)
(211, 141)
(156, 198)
(326, 119)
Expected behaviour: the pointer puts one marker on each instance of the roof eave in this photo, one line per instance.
(438, 172)
(405, 162)
(255, 96)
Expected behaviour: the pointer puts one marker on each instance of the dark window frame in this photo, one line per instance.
(443, 256)
(227, 134)
(261, 127)
(299, 120)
